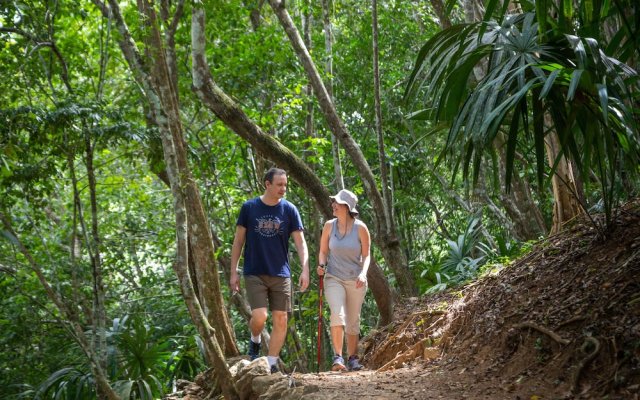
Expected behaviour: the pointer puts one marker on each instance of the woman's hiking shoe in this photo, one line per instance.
(353, 364)
(338, 363)
(274, 369)
(254, 350)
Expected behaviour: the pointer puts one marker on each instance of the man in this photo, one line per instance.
(263, 229)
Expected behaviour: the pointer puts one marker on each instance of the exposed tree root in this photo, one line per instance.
(414, 352)
(596, 344)
(550, 333)
(571, 321)
(394, 338)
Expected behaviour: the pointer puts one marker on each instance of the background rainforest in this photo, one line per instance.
(131, 133)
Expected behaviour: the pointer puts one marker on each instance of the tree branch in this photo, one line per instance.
(64, 74)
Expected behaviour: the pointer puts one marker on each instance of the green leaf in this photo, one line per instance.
(573, 86)
(604, 102)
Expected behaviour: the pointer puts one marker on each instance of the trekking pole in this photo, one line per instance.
(320, 290)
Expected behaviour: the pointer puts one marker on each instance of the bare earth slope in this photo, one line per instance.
(561, 323)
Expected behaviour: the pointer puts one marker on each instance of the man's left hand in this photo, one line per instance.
(304, 280)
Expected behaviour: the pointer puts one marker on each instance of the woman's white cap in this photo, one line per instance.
(346, 197)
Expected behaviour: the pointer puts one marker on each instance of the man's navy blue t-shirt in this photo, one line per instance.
(266, 249)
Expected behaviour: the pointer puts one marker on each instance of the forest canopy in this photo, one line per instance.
(132, 132)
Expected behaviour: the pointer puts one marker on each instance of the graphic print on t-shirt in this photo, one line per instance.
(268, 226)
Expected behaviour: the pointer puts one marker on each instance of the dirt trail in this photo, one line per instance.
(412, 382)
(563, 322)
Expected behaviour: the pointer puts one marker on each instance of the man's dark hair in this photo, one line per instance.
(273, 172)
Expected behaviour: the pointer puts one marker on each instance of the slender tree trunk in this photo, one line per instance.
(229, 113)
(171, 22)
(384, 171)
(308, 120)
(465, 205)
(161, 95)
(78, 218)
(207, 332)
(439, 8)
(315, 228)
(564, 183)
(528, 222)
(199, 236)
(388, 243)
(328, 44)
(382, 293)
(75, 328)
(99, 311)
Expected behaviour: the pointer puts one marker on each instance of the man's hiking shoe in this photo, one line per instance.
(274, 369)
(338, 363)
(353, 364)
(254, 350)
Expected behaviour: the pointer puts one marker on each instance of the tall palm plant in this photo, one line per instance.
(538, 82)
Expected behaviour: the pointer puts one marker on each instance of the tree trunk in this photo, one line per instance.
(439, 8)
(315, 225)
(566, 202)
(381, 291)
(528, 222)
(76, 282)
(229, 112)
(99, 312)
(76, 329)
(199, 236)
(388, 243)
(161, 94)
(213, 350)
(382, 158)
(328, 45)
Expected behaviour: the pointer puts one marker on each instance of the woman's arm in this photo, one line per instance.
(324, 247)
(365, 244)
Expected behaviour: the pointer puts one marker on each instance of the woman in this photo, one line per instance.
(344, 252)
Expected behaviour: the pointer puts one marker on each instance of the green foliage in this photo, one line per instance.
(459, 263)
(67, 383)
(45, 126)
(142, 365)
(589, 96)
(468, 257)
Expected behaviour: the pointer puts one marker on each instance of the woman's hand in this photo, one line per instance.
(361, 281)
(321, 269)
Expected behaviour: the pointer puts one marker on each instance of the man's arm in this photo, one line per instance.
(303, 253)
(236, 251)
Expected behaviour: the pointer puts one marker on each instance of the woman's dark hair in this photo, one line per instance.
(273, 172)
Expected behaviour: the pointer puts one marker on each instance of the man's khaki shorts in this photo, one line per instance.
(266, 290)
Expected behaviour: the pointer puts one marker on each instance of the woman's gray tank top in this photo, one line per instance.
(345, 253)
